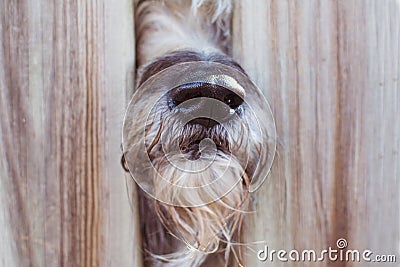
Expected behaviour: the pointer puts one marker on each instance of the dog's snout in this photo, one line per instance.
(208, 104)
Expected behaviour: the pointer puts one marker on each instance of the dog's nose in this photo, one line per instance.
(193, 99)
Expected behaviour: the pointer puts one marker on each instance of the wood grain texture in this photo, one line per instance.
(64, 67)
(330, 70)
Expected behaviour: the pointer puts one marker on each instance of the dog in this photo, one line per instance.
(198, 135)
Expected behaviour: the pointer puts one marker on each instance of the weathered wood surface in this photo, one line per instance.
(331, 71)
(64, 71)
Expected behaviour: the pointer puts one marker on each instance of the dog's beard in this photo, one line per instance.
(200, 172)
(203, 229)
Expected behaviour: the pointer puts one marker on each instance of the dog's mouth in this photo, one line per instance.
(197, 140)
(192, 150)
(207, 122)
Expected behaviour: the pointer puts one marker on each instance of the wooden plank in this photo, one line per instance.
(63, 73)
(123, 231)
(330, 70)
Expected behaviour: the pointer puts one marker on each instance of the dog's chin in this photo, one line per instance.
(217, 180)
(200, 181)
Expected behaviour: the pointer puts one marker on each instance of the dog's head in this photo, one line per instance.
(199, 137)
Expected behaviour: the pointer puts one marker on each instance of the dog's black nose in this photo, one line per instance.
(207, 104)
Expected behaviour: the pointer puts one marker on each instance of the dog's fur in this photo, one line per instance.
(167, 33)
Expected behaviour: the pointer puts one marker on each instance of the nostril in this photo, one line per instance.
(233, 100)
(185, 92)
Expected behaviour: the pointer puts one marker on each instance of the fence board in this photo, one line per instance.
(64, 70)
(330, 70)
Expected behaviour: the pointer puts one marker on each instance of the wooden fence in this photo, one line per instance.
(330, 70)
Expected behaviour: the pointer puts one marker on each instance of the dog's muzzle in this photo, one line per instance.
(205, 109)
